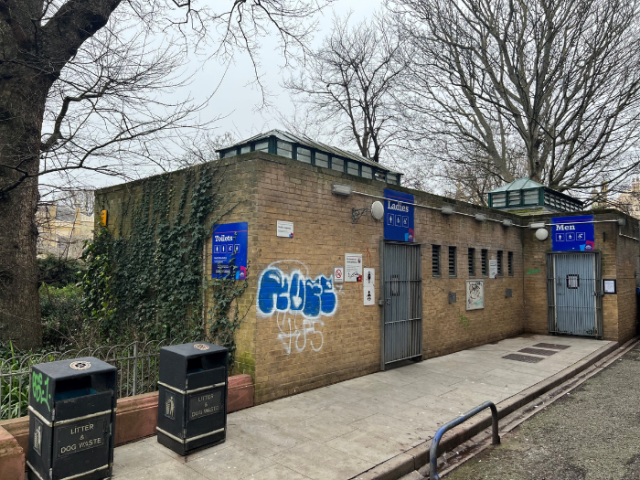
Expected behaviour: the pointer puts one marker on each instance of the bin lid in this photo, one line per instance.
(195, 349)
(74, 367)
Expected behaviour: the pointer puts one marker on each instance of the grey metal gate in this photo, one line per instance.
(574, 294)
(401, 325)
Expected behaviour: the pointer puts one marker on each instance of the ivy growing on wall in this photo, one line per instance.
(149, 282)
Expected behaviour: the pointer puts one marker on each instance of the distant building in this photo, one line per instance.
(629, 202)
(63, 230)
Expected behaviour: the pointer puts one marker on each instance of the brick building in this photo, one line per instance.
(470, 276)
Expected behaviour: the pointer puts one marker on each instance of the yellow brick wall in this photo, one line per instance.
(347, 344)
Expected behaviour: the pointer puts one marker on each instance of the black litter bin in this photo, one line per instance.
(192, 403)
(72, 413)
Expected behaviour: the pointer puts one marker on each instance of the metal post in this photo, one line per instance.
(433, 454)
(135, 365)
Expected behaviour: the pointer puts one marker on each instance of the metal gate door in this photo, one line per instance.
(401, 332)
(574, 294)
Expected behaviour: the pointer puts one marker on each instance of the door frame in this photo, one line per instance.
(551, 291)
(382, 299)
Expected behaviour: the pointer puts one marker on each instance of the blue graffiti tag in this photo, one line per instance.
(280, 292)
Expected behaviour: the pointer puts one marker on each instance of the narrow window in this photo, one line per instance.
(484, 263)
(472, 262)
(500, 263)
(392, 178)
(435, 260)
(322, 160)
(303, 155)
(367, 172)
(510, 263)
(336, 163)
(352, 168)
(262, 147)
(245, 149)
(452, 261)
(285, 149)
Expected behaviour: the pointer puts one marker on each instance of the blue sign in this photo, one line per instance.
(572, 234)
(229, 245)
(398, 216)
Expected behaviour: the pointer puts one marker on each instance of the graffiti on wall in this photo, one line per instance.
(299, 302)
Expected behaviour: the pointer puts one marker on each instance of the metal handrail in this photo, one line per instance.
(433, 454)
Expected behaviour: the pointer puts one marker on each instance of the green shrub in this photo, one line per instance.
(59, 272)
(63, 324)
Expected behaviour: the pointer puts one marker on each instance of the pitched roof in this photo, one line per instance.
(520, 184)
(308, 142)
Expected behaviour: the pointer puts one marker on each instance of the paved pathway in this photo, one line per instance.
(339, 431)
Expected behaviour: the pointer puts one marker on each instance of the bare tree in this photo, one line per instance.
(348, 83)
(84, 88)
(551, 86)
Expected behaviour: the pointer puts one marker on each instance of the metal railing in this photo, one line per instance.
(137, 365)
(433, 454)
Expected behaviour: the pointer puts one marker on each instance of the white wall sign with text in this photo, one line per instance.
(285, 229)
(353, 267)
(493, 269)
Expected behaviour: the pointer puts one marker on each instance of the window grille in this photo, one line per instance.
(499, 200)
(484, 262)
(510, 263)
(472, 262)
(435, 260)
(499, 263)
(452, 261)
(514, 198)
(531, 197)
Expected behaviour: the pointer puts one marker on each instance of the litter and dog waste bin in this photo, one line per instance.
(192, 403)
(72, 413)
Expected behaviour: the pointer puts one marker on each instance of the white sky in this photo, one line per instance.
(238, 100)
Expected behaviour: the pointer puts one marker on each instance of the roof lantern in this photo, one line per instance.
(525, 194)
(306, 150)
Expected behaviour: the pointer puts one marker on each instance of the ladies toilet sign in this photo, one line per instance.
(398, 216)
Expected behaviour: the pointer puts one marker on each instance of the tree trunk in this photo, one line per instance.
(22, 103)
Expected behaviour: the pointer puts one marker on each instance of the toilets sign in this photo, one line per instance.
(573, 234)
(229, 244)
(398, 216)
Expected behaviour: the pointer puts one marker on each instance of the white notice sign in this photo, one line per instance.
(285, 229)
(369, 295)
(353, 267)
(493, 269)
(369, 277)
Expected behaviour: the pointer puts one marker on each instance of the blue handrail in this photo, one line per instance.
(433, 455)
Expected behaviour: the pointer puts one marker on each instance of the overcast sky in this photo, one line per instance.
(239, 101)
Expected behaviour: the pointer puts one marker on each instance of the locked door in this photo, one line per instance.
(575, 281)
(401, 333)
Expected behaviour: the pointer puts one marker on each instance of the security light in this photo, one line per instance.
(341, 190)
(481, 217)
(507, 222)
(622, 222)
(542, 234)
(536, 225)
(447, 210)
(377, 210)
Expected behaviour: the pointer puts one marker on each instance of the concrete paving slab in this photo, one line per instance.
(368, 424)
